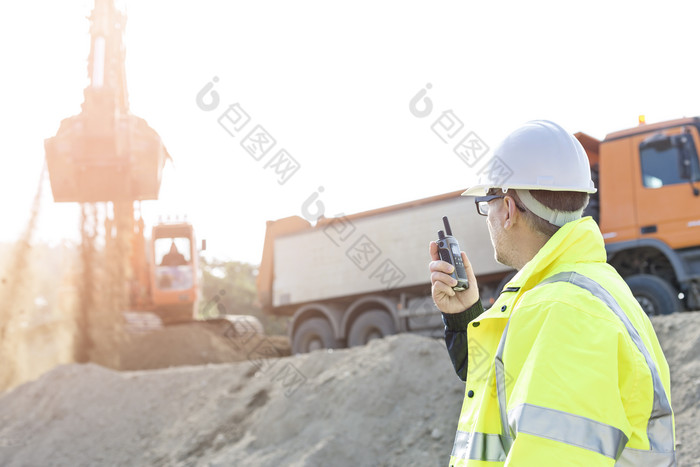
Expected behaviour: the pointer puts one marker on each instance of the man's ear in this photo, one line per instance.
(511, 213)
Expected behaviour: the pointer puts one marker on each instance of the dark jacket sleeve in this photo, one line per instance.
(456, 336)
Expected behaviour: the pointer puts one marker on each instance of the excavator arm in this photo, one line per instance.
(105, 153)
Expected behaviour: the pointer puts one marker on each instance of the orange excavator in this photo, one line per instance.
(107, 155)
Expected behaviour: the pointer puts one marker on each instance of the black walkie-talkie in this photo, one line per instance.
(450, 252)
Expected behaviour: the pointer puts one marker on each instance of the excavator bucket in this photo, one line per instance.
(117, 159)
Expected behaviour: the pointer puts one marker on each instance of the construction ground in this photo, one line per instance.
(192, 395)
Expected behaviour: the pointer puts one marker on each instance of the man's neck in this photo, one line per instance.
(531, 244)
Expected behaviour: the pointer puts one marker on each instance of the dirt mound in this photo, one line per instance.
(393, 402)
(393, 399)
(679, 335)
(196, 343)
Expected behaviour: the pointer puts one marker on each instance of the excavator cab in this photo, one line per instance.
(174, 281)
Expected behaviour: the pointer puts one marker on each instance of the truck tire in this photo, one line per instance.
(313, 334)
(370, 325)
(655, 295)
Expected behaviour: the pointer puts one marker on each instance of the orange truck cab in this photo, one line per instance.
(648, 209)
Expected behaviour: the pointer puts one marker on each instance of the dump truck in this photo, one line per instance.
(353, 278)
(349, 279)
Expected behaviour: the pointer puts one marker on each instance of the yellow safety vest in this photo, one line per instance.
(565, 368)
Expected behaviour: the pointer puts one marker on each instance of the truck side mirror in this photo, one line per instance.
(684, 166)
(204, 244)
(686, 151)
(684, 162)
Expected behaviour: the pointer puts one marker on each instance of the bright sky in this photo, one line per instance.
(331, 83)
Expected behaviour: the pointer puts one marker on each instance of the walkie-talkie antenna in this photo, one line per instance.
(448, 230)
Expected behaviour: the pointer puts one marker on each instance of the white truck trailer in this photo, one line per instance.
(350, 279)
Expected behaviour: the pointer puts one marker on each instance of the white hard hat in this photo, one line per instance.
(540, 155)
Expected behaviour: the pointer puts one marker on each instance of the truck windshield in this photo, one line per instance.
(661, 165)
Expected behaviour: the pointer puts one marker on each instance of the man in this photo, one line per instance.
(565, 367)
(173, 257)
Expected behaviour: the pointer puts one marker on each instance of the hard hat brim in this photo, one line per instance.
(481, 190)
(478, 190)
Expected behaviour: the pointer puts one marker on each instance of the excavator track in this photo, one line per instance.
(143, 322)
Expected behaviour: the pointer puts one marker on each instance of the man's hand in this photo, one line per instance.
(446, 299)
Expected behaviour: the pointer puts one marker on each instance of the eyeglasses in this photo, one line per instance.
(482, 204)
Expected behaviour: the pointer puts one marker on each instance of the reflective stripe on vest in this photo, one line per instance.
(568, 428)
(581, 431)
(479, 446)
(545, 423)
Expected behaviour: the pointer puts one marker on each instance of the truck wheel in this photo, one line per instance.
(655, 295)
(313, 334)
(370, 325)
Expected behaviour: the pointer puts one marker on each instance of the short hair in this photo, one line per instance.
(557, 200)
